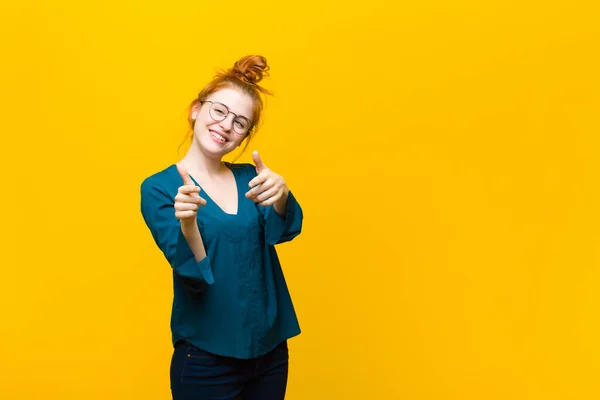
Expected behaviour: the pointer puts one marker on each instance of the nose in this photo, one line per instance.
(227, 123)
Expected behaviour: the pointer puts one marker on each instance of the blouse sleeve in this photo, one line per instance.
(158, 211)
(280, 229)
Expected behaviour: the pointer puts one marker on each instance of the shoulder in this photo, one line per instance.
(246, 169)
(240, 166)
(164, 180)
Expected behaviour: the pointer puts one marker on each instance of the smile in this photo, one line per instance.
(216, 136)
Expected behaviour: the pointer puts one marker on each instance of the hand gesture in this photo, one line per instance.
(187, 200)
(267, 187)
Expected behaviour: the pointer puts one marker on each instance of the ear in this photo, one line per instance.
(194, 111)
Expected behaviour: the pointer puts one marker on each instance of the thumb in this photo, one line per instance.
(184, 175)
(257, 161)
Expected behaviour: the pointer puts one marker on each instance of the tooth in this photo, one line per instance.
(219, 136)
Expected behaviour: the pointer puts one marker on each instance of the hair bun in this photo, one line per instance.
(251, 69)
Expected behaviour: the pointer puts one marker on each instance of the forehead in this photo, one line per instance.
(236, 100)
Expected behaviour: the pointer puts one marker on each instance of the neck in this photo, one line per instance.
(198, 162)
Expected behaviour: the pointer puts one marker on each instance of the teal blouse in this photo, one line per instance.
(234, 302)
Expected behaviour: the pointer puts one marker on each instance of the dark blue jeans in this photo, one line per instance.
(199, 375)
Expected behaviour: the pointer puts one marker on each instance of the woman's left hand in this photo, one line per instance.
(268, 187)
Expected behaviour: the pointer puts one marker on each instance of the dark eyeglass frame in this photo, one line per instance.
(212, 103)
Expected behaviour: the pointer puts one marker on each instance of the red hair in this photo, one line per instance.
(245, 75)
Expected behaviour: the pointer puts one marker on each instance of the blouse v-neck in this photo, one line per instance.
(207, 196)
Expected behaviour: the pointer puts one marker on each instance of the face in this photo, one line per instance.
(217, 138)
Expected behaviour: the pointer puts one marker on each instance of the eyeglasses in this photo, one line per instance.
(219, 112)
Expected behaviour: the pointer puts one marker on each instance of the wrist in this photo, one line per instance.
(281, 203)
(189, 223)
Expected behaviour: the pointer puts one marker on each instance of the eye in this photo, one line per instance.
(240, 123)
(220, 111)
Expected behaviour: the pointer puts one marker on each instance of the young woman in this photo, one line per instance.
(217, 224)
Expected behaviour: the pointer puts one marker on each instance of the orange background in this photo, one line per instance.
(445, 154)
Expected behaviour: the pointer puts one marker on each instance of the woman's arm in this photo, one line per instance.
(191, 232)
(181, 244)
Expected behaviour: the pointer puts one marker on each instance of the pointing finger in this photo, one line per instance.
(257, 161)
(185, 176)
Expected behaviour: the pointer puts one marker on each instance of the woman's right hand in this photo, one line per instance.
(187, 200)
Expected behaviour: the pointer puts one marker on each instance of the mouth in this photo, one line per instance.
(217, 137)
